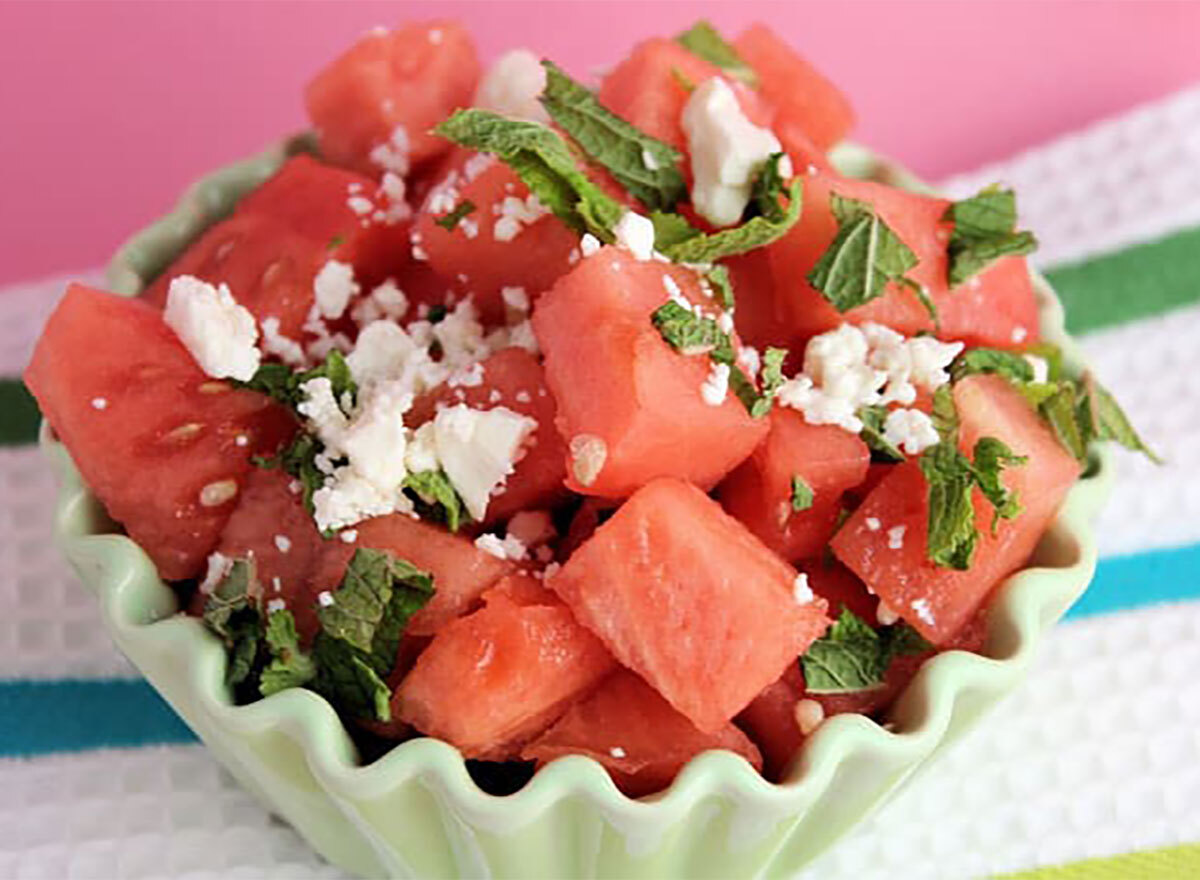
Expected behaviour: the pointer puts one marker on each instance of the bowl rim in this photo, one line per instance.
(138, 607)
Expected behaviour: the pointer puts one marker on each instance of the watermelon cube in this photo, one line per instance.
(373, 107)
(495, 679)
(629, 405)
(635, 734)
(461, 571)
(759, 493)
(997, 308)
(165, 448)
(938, 602)
(513, 378)
(686, 597)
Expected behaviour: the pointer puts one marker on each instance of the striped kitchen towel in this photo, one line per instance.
(1092, 770)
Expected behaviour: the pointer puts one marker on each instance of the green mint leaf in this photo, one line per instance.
(452, 219)
(873, 418)
(277, 381)
(991, 457)
(984, 231)
(944, 414)
(683, 79)
(348, 681)
(298, 459)
(899, 640)
(802, 494)
(337, 371)
(864, 257)
(950, 480)
(1052, 355)
(849, 657)
(231, 611)
(744, 390)
(755, 233)
(645, 166)
(1108, 421)
(437, 313)
(671, 231)
(1009, 364)
(771, 379)
(768, 188)
(718, 277)
(335, 242)
(689, 333)
(1059, 405)
(436, 493)
(540, 157)
(704, 41)
(289, 667)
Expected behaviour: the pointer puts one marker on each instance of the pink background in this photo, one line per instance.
(107, 109)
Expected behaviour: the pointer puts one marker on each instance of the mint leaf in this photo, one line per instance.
(768, 188)
(436, 493)
(1059, 405)
(802, 494)
(289, 667)
(231, 611)
(984, 230)
(452, 219)
(991, 457)
(645, 166)
(864, 257)
(704, 41)
(852, 656)
(1008, 364)
(299, 459)
(901, 639)
(281, 383)
(671, 231)
(349, 682)
(754, 233)
(1107, 421)
(873, 418)
(689, 333)
(950, 480)
(718, 277)
(542, 160)
(771, 379)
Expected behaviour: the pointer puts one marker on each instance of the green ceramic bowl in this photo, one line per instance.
(417, 813)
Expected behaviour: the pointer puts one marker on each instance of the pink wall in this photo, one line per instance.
(108, 108)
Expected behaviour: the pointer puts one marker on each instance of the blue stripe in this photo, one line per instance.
(41, 717)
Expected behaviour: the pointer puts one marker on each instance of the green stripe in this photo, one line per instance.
(19, 414)
(1132, 283)
(1171, 863)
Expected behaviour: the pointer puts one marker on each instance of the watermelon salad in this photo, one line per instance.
(559, 418)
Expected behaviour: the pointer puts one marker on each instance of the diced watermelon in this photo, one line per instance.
(802, 95)
(997, 308)
(686, 597)
(165, 448)
(635, 734)
(493, 247)
(754, 290)
(521, 589)
(513, 378)
(406, 80)
(491, 681)
(939, 601)
(770, 719)
(759, 493)
(629, 405)
(461, 571)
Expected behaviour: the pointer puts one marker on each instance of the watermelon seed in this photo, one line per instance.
(588, 454)
(184, 432)
(809, 715)
(216, 494)
(214, 388)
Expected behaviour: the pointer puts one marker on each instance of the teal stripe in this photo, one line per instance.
(19, 416)
(1129, 284)
(41, 717)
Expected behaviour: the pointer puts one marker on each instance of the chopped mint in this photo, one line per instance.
(864, 257)
(231, 612)
(689, 333)
(644, 165)
(718, 277)
(437, 313)
(290, 666)
(542, 160)
(671, 231)
(335, 242)
(802, 494)
(435, 492)
(984, 230)
(873, 418)
(349, 682)
(754, 233)
(299, 460)
(1009, 364)
(852, 656)
(283, 384)
(453, 218)
(771, 380)
(991, 457)
(1106, 420)
(705, 41)
(768, 189)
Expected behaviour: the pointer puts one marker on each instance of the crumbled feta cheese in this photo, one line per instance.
(99, 403)
(435, 36)
(872, 524)
(808, 714)
(589, 244)
(715, 387)
(617, 752)
(1019, 334)
(333, 289)
(508, 547)
(218, 332)
(1040, 366)
(727, 150)
(910, 430)
(801, 591)
(472, 377)
(515, 215)
(635, 233)
(283, 543)
(477, 449)
(921, 606)
(930, 359)
(275, 343)
(384, 301)
(511, 87)
(725, 322)
(749, 360)
(277, 584)
(274, 605)
(241, 440)
(324, 598)
(588, 454)
(895, 537)
(392, 154)
(360, 205)
(219, 566)
(649, 161)
(515, 298)
(886, 614)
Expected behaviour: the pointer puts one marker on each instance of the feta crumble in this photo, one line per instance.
(512, 85)
(1040, 367)
(589, 244)
(715, 387)
(617, 752)
(276, 344)
(635, 233)
(873, 524)
(727, 149)
(910, 430)
(588, 454)
(218, 332)
(509, 547)
(333, 289)
(283, 543)
(921, 606)
(801, 591)
(219, 566)
(895, 537)
(99, 403)
(324, 598)
(348, 536)
(886, 614)
(1019, 334)
(515, 214)
(515, 298)
(477, 449)
(392, 154)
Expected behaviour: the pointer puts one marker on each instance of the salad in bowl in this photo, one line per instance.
(510, 471)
